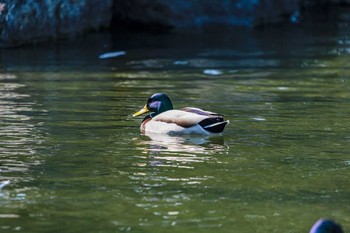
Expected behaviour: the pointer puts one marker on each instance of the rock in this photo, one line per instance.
(185, 13)
(28, 21)
(166, 14)
(193, 13)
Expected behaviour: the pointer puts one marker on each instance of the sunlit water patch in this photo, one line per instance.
(19, 134)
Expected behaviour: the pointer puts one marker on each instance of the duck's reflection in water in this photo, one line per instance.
(181, 151)
(166, 175)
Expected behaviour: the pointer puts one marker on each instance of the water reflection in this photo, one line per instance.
(18, 137)
(158, 143)
(181, 151)
(167, 177)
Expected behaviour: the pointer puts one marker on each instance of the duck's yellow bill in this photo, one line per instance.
(142, 111)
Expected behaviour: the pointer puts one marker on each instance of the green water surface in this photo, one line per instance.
(76, 161)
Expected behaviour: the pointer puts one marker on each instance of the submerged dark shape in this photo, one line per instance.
(164, 119)
(326, 226)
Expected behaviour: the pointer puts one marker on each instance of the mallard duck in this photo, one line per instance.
(166, 120)
(326, 226)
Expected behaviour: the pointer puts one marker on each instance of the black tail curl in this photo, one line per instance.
(213, 124)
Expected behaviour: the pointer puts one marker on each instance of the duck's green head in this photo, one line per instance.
(156, 104)
(326, 226)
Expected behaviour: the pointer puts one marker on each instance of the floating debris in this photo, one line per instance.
(259, 119)
(112, 54)
(181, 63)
(212, 72)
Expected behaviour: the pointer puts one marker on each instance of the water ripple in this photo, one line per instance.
(18, 134)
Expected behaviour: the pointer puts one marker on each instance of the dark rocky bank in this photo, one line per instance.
(30, 21)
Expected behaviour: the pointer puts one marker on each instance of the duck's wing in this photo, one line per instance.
(200, 111)
(214, 122)
(182, 118)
